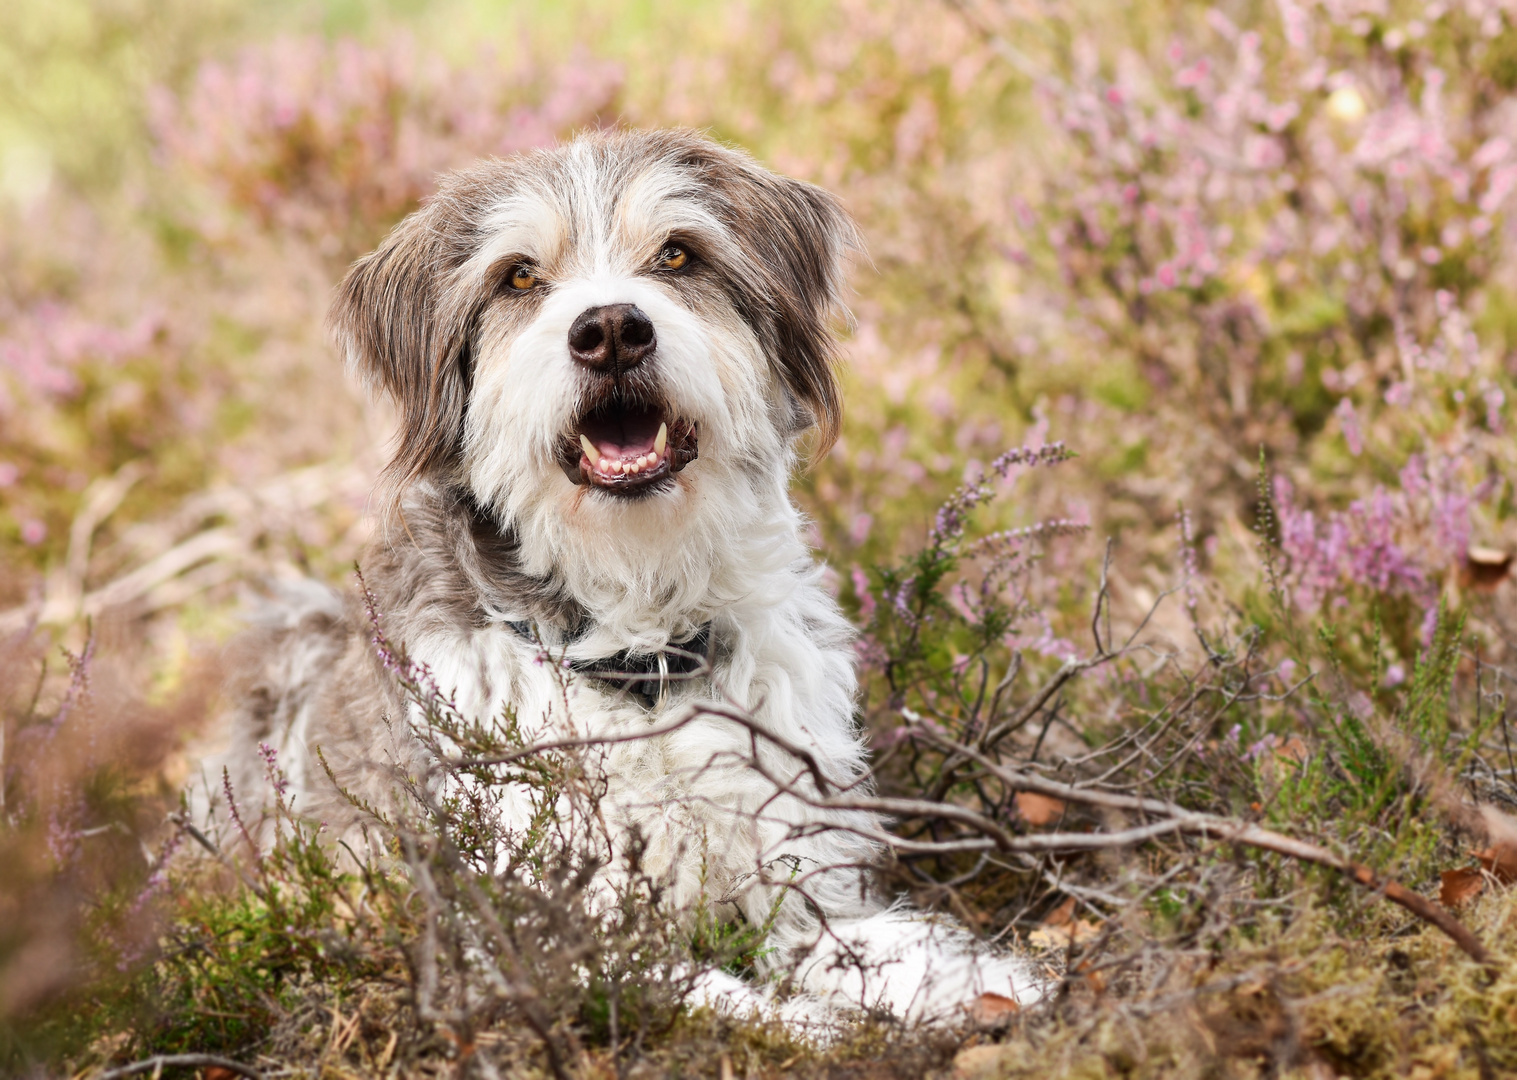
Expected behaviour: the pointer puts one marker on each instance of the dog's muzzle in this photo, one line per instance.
(629, 441)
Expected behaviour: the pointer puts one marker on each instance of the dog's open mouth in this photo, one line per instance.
(628, 448)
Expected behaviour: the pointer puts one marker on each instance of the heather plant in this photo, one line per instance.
(136, 354)
(1290, 223)
(1199, 734)
(332, 143)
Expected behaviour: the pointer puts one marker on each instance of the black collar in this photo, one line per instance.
(646, 674)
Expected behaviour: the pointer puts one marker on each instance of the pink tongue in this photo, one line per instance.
(630, 450)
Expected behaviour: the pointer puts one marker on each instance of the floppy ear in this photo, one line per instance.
(798, 237)
(404, 321)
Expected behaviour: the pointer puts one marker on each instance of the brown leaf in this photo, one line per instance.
(1292, 751)
(1037, 809)
(1060, 928)
(217, 1072)
(993, 1010)
(1484, 568)
(1500, 858)
(1061, 915)
(1096, 980)
(1460, 886)
(1060, 937)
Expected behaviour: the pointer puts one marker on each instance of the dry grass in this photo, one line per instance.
(1253, 265)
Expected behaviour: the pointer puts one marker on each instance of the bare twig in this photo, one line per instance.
(182, 1061)
(1229, 831)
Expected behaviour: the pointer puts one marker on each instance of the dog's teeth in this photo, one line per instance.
(633, 467)
(653, 458)
(589, 448)
(661, 439)
(642, 461)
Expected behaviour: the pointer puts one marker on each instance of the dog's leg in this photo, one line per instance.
(915, 966)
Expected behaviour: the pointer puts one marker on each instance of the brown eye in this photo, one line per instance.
(523, 278)
(673, 257)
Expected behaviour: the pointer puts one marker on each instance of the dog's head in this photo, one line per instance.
(607, 342)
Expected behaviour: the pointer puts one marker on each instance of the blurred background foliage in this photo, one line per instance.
(1251, 262)
(1168, 235)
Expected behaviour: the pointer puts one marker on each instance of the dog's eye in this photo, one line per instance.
(673, 257)
(523, 278)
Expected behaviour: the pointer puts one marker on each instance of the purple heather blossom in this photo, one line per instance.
(277, 779)
(1495, 401)
(1348, 419)
(1260, 748)
(865, 595)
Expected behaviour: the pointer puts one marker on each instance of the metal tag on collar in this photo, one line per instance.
(663, 678)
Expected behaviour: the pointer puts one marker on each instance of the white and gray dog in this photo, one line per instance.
(603, 356)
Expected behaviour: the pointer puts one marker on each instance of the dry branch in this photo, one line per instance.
(156, 1065)
(1229, 830)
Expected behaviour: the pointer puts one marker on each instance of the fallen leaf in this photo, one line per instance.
(1061, 937)
(216, 1072)
(1460, 886)
(1484, 568)
(1038, 809)
(1061, 915)
(1096, 980)
(1060, 928)
(993, 1010)
(1500, 858)
(1292, 750)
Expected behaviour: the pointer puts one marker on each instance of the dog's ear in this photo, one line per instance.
(799, 238)
(404, 322)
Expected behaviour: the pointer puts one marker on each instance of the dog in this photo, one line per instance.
(603, 357)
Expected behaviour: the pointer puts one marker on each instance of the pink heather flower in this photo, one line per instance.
(1194, 75)
(277, 780)
(1495, 399)
(9, 474)
(33, 532)
(1429, 625)
(1349, 420)
(859, 531)
(1451, 524)
(1395, 675)
(866, 597)
(1287, 671)
(1260, 748)
(1399, 394)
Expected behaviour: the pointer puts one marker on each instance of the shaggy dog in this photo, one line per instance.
(603, 356)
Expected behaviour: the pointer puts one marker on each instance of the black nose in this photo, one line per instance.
(611, 338)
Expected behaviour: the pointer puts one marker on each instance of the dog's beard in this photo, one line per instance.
(654, 547)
